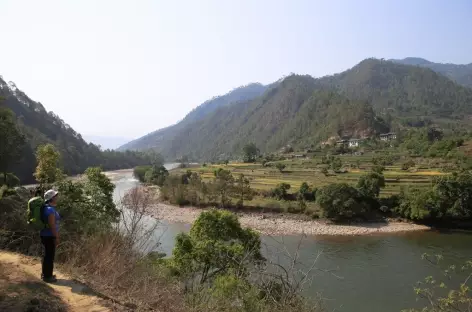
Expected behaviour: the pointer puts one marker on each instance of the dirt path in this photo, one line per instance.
(21, 289)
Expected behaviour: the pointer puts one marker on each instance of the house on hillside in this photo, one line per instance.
(388, 136)
(349, 143)
(354, 142)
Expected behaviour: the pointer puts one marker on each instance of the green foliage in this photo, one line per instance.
(47, 171)
(242, 190)
(223, 186)
(438, 293)
(87, 205)
(306, 192)
(280, 166)
(378, 169)
(369, 185)
(9, 179)
(449, 198)
(250, 152)
(280, 192)
(156, 175)
(11, 142)
(341, 201)
(386, 160)
(334, 163)
(216, 245)
(140, 171)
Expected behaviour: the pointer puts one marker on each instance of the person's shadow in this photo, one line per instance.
(76, 287)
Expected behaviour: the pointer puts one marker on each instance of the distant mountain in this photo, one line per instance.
(165, 135)
(403, 90)
(462, 74)
(302, 111)
(106, 142)
(41, 127)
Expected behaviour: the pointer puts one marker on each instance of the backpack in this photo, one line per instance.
(35, 213)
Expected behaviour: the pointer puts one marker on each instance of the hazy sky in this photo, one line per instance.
(125, 68)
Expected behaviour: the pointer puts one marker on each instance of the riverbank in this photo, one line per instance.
(280, 224)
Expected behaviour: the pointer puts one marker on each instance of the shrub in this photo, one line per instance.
(340, 201)
(280, 192)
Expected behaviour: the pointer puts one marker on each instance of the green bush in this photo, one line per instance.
(139, 172)
(341, 201)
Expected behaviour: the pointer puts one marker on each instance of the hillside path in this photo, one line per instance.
(21, 289)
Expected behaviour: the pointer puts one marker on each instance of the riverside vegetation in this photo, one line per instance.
(217, 266)
(425, 178)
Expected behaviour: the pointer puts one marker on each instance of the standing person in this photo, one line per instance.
(50, 234)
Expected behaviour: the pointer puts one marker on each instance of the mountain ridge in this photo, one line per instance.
(396, 94)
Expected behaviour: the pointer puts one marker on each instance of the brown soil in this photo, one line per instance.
(21, 289)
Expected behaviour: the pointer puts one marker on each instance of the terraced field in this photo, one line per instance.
(299, 171)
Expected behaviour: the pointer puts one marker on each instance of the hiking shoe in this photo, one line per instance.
(51, 279)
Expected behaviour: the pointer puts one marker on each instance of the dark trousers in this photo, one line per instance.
(49, 254)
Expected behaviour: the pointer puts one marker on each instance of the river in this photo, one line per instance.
(369, 273)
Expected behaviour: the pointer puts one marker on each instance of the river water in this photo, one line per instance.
(358, 273)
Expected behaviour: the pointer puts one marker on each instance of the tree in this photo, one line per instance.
(242, 189)
(336, 164)
(280, 192)
(280, 166)
(156, 175)
(370, 184)
(47, 171)
(223, 186)
(340, 200)
(306, 192)
(11, 142)
(215, 246)
(139, 172)
(250, 152)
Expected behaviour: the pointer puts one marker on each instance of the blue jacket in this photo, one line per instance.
(48, 210)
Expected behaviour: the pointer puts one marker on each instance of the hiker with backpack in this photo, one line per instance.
(42, 215)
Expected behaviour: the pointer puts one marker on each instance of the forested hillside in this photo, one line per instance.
(40, 127)
(462, 74)
(166, 135)
(297, 111)
(373, 96)
(404, 91)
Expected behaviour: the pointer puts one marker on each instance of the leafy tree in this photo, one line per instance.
(156, 175)
(250, 152)
(87, 205)
(336, 164)
(340, 200)
(139, 172)
(100, 189)
(223, 186)
(242, 189)
(378, 168)
(280, 192)
(216, 245)
(370, 184)
(11, 142)
(306, 192)
(280, 166)
(47, 171)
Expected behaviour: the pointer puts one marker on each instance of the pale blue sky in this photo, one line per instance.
(125, 68)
